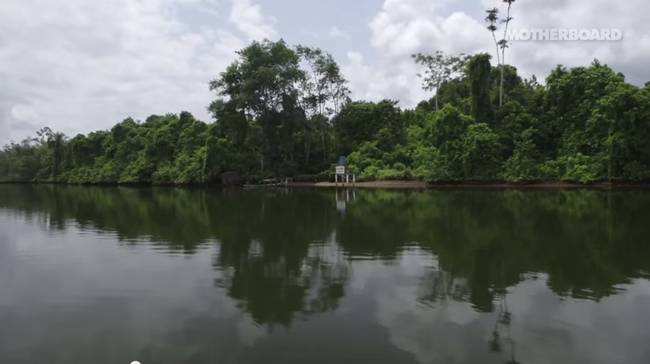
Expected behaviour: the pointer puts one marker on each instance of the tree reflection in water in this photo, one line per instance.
(288, 254)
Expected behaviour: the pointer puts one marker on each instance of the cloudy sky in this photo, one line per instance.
(79, 65)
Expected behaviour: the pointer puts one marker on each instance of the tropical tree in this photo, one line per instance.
(273, 99)
(492, 19)
(55, 144)
(324, 89)
(360, 122)
(481, 153)
(504, 43)
(479, 69)
(501, 45)
(440, 68)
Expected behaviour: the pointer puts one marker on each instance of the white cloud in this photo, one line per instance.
(404, 27)
(441, 330)
(627, 55)
(79, 66)
(23, 113)
(250, 20)
(336, 32)
(400, 29)
(382, 80)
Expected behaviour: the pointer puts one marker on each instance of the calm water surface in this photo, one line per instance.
(110, 275)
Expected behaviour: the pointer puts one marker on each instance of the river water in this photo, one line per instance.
(170, 275)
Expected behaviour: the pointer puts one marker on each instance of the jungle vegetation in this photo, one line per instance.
(281, 111)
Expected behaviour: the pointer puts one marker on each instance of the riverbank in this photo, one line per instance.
(421, 185)
(396, 184)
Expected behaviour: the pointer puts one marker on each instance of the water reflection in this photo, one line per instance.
(433, 273)
(588, 242)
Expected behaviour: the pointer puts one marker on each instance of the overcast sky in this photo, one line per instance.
(79, 65)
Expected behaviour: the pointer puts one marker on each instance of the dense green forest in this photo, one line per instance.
(282, 111)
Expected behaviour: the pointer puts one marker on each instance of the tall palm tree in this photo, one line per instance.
(492, 18)
(504, 44)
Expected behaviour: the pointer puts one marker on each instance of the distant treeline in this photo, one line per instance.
(285, 112)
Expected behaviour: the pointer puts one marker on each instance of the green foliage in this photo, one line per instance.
(481, 153)
(284, 111)
(274, 106)
(479, 70)
(360, 122)
(575, 168)
(439, 69)
(425, 159)
(523, 165)
(446, 132)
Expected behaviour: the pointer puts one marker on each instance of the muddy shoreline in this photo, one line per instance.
(403, 185)
(421, 185)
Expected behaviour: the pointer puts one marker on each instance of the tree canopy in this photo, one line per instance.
(282, 111)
